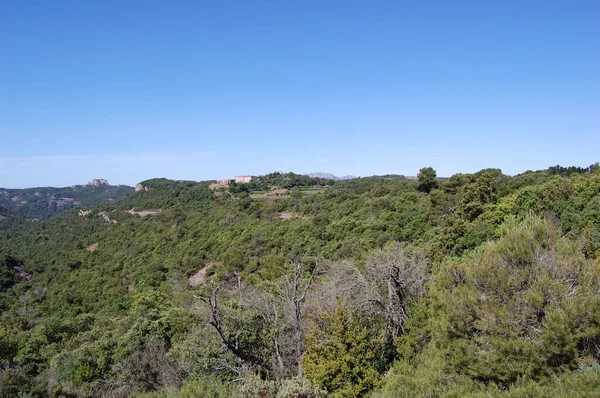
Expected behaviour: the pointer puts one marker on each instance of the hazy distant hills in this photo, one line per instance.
(330, 176)
(44, 202)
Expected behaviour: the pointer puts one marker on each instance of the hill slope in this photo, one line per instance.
(44, 202)
(340, 279)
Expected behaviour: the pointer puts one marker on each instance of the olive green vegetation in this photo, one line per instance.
(44, 202)
(477, 285)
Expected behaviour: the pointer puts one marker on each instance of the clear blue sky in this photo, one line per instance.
(130, 90)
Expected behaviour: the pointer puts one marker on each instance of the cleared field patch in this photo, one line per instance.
(282, 193)
(312, 190)
(277, 193)
(258, 195)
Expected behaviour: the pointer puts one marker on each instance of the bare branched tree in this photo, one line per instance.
(294, 286)
(279, 306)
(270, 306)
(296, 282)
(391, 280)
(230, 339)
(282, 307)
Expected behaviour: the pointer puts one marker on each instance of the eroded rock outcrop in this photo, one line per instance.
(98, 182)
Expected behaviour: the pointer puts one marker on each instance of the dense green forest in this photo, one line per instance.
(44, 202)
(477, 285)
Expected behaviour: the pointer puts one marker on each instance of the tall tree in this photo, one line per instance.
(427, 179)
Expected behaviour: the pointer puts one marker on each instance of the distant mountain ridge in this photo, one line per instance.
(330, 176)
(43, 202)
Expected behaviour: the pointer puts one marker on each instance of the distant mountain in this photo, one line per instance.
(44, 202)
(396, 177)
(330, 176)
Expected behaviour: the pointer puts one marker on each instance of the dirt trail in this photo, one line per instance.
(199, 277)
(144, 213)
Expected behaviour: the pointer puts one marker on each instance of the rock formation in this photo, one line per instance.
(98, 182)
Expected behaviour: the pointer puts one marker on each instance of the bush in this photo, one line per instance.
(296, 387)
(341, 355)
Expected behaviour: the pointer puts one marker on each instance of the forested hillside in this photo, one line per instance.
(43, 202)
(290, 286)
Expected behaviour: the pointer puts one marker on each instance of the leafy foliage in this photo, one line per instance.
(342, 355)
(482, 284)
(520, 308)
(427, 179)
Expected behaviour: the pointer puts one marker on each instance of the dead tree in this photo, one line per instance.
(390, 282)
(296, 282)
(268, 304)
(231, 341)
(280, 306)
